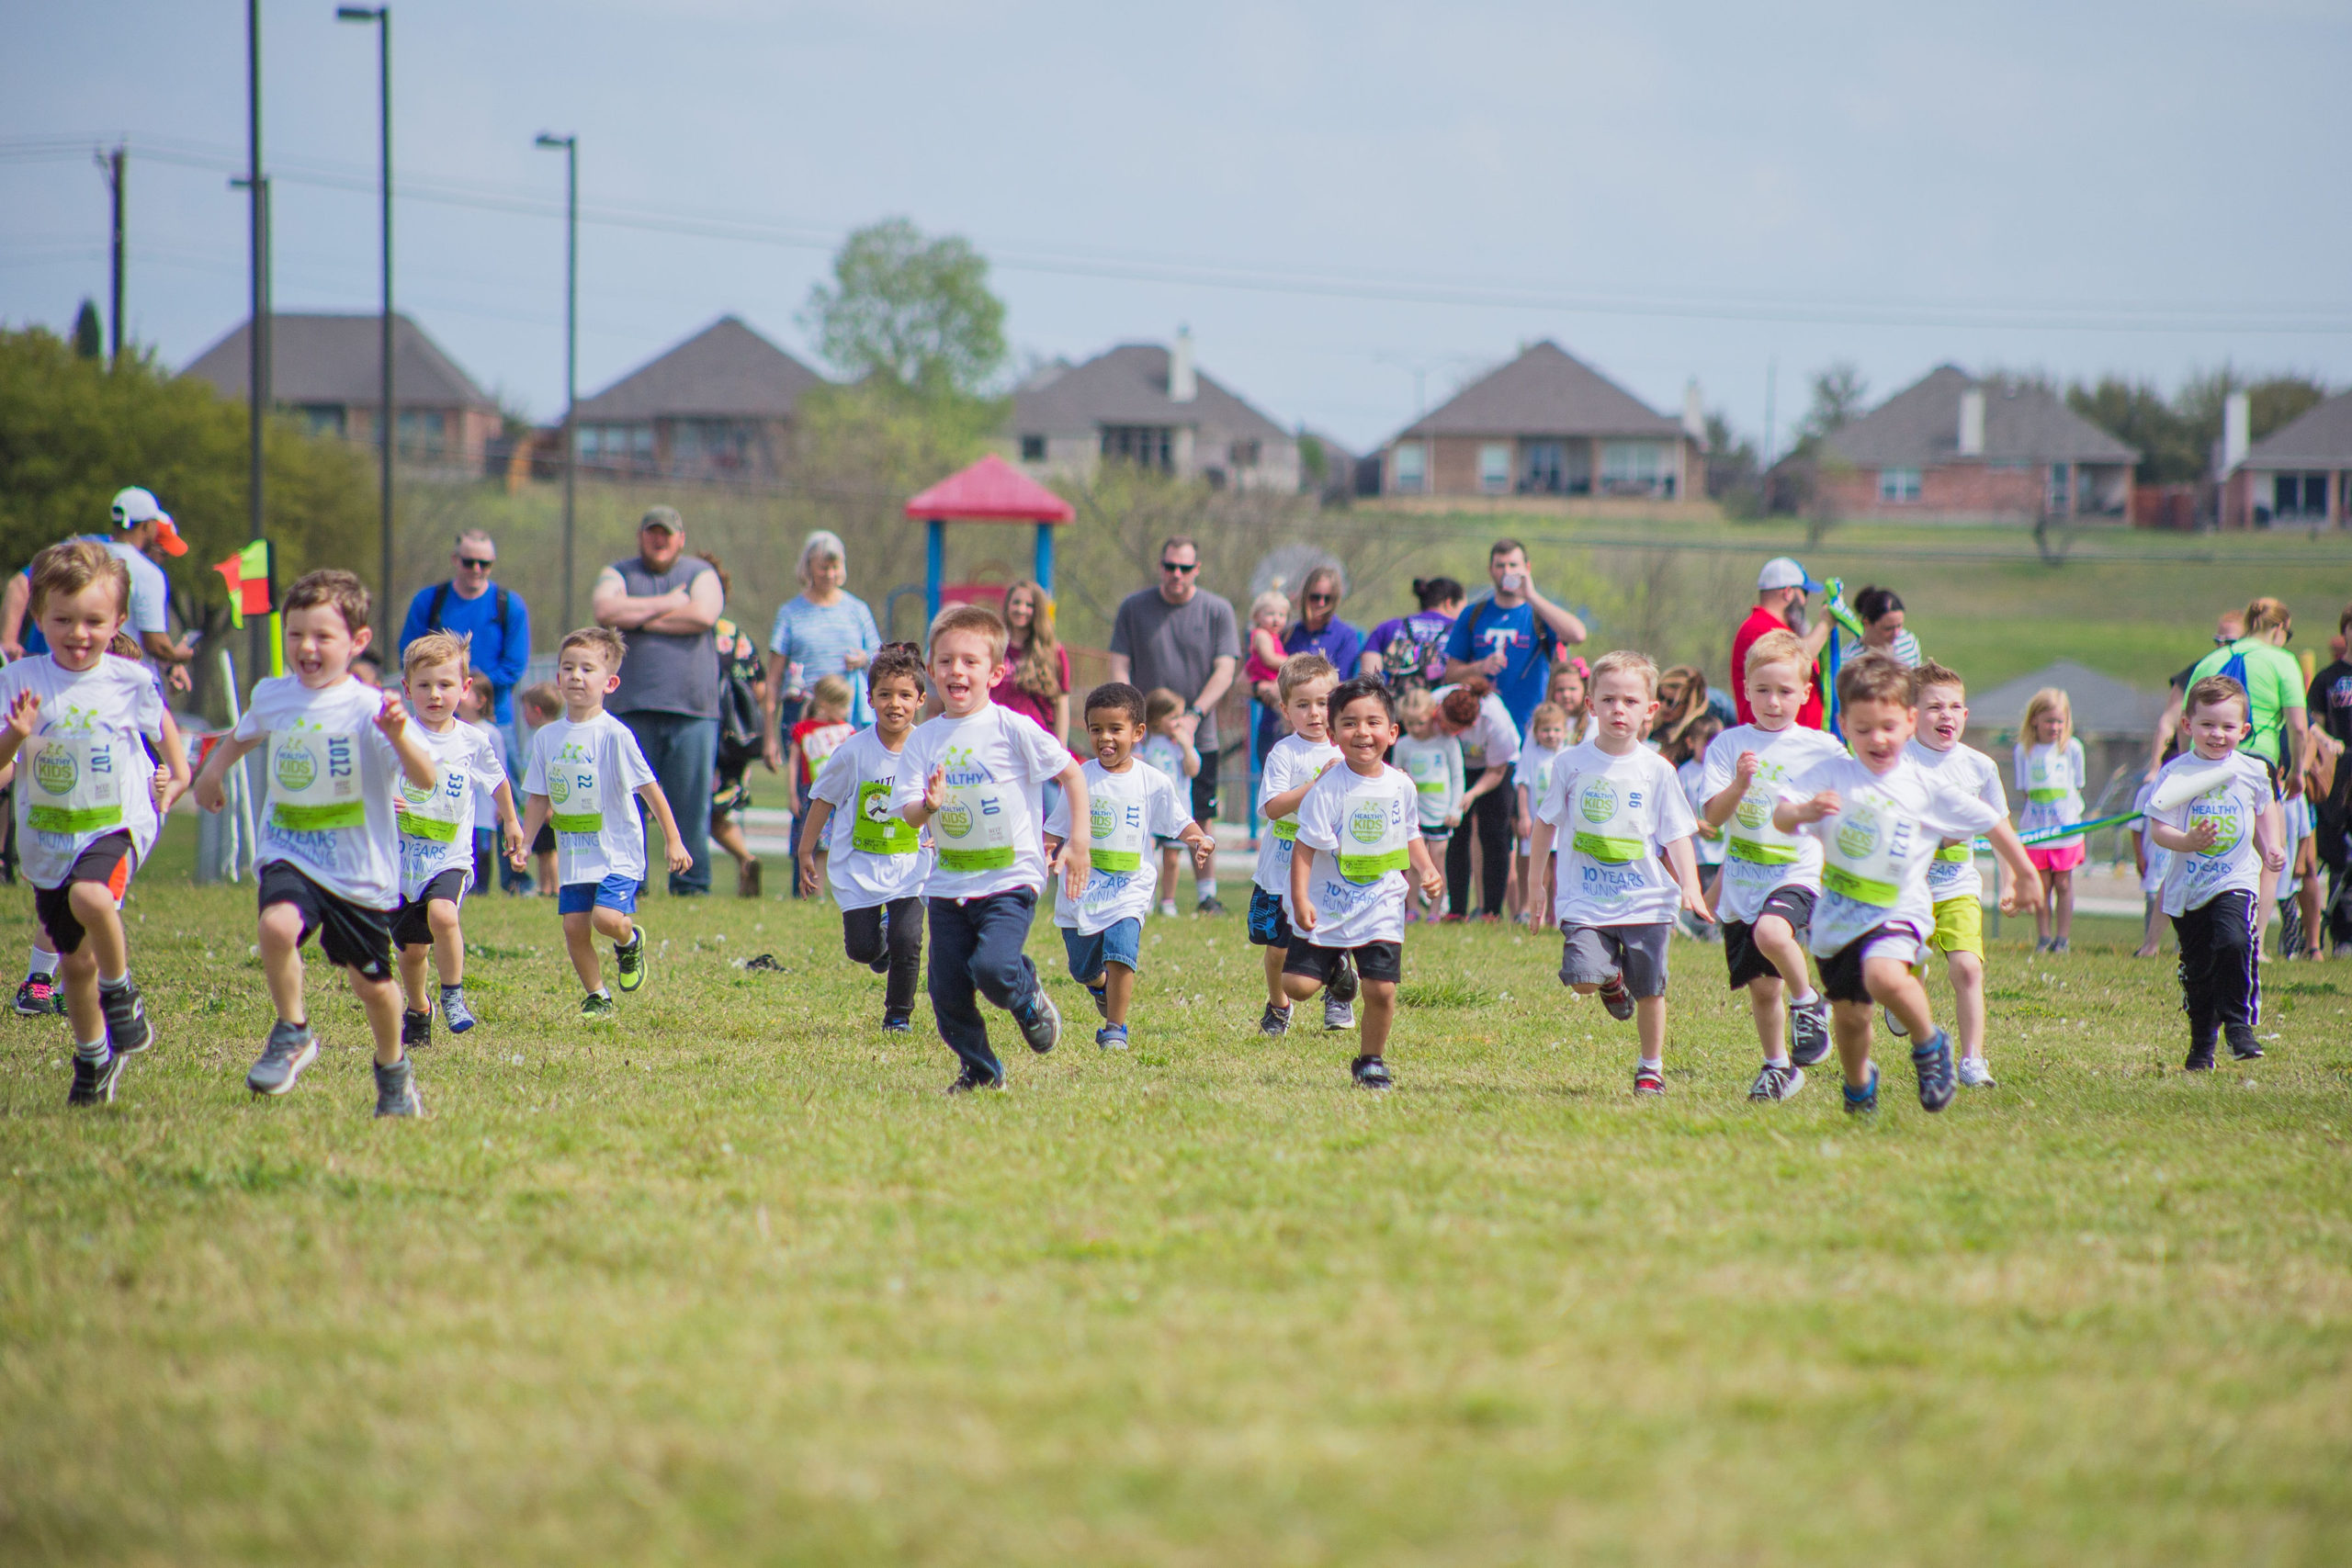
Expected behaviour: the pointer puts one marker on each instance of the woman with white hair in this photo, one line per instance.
(825, 631)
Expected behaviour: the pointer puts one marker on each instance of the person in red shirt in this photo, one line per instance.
(1781, 591)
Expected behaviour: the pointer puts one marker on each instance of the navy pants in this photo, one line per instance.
(976, 952)
(683, 751)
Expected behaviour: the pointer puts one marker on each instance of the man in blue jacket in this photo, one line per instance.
(473, 605)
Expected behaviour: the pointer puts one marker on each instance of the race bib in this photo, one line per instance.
(2041, 787)
(432, 814)
(1865, 853)
(1427, 770)
(575, 800)
(314, 781)
(77, 788)
(1752, 836)
(1372, 837)
(1114, 833)
(1606, 825)
(877, 829)
(975, 829)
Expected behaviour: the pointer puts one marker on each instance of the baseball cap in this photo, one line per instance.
(1782, 572)
(664, 517)
(134, 506)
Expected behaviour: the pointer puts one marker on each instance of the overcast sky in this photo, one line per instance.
(1694, 190)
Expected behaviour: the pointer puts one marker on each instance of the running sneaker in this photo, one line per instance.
(128, 1031)
(2243, 1044)
(596, 1006)
(1211, 905)
(1649, 1080)
(454, 1011)
(1338, 1014)
(1776, 1082)
(1974, 1074)
(1809, 1037)
(93, 1081)
(2200, 1056)
(396, 1090)
(39, 996)
(291, 1048)
(416, 1028)
(628, 958)
(1101, 996)
(1931, 1059)
(2042, 944)
(1112, 1037)
(897, 1023)
(1616, 997)
(1864, 1101)
(1371, 1072)
(1042, 1027)
(2058, 947)
(1893, 1025)
(1275, 1021)
(1344, 984)
(969, 1080)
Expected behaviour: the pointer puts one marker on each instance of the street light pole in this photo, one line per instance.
(257, 334)
(386, 426)
(570, 145)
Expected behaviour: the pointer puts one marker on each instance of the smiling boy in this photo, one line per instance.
(1303, 686)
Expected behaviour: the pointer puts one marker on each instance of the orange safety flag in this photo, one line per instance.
(247, 575)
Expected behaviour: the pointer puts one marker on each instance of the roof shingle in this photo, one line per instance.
(1545, 391)
(1129, 385)
(725, 371)
(1919, 427)
(335, 360)
(2320, 438)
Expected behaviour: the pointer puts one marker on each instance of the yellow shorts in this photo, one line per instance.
(1960, 926)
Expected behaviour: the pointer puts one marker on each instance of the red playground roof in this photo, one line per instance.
(990, 490)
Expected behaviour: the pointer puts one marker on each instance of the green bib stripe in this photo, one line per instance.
(998, 859)
(577, 822)
(1285, 828)
(1608, 851)
(1371, 868)
(1861, 889)
(1755, 853)
(1956, 854)
(320, 818)
(64, 819)
(433, 827)
(1115, 859)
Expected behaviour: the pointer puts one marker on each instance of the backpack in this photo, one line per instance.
(441, 598)
(2234, 668)
(1414, 663)
(741, 724)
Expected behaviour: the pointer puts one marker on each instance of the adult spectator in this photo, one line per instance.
(1318, 629)
(1781, 591)
(664, 603)
(1178, 635)
(1035, 678)
(2226, 630)
(473, 605)
(146, 530)
(826, 630)
(743, 731)
(2329, 704)
(1474, 713)
(1408, 651)
(1512, 638)
(2274, 689)
(1881, 613)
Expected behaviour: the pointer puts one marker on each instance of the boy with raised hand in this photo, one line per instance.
(1770, 879)
(1359, 834)
(2222, 838)
(1303, 686)
(1954, 885)
(330, 847)
(1130, 806)
(1880, 817)
(1625, 868)
(88, 800)
(583, 768)
(876, 862)
(436, 829)
(973, 776)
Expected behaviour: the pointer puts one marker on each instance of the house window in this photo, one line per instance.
(1898, 484)
(2298, 497)
(615, 446)
(1412, 468)
(1146, 445)
(322, 419)
(2062, 489)
(722, 444)
(1243, 454)
(421, 432)
(1634, 467)
(1033, 448)
(1494, 467)
(1539, 468)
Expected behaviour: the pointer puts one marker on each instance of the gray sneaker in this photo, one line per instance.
(291, 1048)
(1974, 1074)
(454, 1011)
(1042, 1027)
(1931, 1060)
(1809, 1038)
(1276, 1020)
(1776, 1083)
(128, 1031)
(1338, 1014)
(1344, 984)
(396, 1090)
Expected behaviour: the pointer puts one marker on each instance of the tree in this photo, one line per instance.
(916, 314)
(1731, 468)
(89, 335)
(1838, 394)
(2136, 412)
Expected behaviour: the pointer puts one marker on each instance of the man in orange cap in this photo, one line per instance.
(141, 529)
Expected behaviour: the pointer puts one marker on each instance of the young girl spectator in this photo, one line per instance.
(2051, 772)
(1167, 746)
(1261, 674)
(1547, 736)
(823, 725)
(1567, 692)
(1689, 755)
(1432, 760)
(1034, 679)
(1881, 613)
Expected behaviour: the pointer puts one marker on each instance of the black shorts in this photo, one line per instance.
(106, 861)
(1204, 790)
(352, 935)
(1269, 921)
(1794, 905)
(544, 845)
(1841, 972)
(410, 926)
(1374, 960)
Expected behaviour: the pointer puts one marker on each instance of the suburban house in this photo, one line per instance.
(2298, 476)
(329, 371)
(1953, 447)
(1151, 406)
(719, 406)
(1547, 424)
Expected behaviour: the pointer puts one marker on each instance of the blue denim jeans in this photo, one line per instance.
(976, 948)
(683, 753)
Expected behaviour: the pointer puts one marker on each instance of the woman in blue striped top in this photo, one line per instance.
(1881, 613)
(825, 631)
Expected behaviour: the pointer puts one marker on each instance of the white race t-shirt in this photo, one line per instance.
(1493, 741)
(1706, 843)
(1361, 829)
(2232, 864)
(591, 772)
(1613, 816)
(1878, 846)
(84, 774)
(1533, 774)
(330, 773)
(1128, 812)
(985, 834)
(1294, 759)
(1758, 857)
(872, 854)
(1435, 767)
(1954, 873)
(437, 824)
(1164, 753)
(150, 594)
(2051, 779)
(2159, 858)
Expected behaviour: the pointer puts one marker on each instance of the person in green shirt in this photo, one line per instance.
(2274, 684)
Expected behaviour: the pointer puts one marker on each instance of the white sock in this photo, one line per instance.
(1205, 890)
(1806, 1000)
(43, 963)
(1781, 1061)
(91, 1050)
(1652, 1064)
(116, 981)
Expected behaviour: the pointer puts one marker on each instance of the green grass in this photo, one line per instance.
(733, 1282)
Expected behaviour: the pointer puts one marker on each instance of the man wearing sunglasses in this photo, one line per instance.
(1178, 636)
(470, 604)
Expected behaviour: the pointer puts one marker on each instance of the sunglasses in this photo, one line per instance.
(1322, 598)
(477, 565)
(1179, 567)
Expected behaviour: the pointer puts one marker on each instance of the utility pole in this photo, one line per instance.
(386, 418)
(113, 165)
(257, 377)
(570, 145)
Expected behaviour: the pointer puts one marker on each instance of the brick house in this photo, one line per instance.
(1153, 406)
(719, 406)
(1953, 447)
(2298, 476)
(327, 370)
(1546, 423)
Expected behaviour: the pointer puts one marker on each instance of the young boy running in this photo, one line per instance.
(876, 862)
(1357, 834)
(437, 833)
(1625, 868)
(1880, 817)
(89, 801)
(1130, 806)
(583, 768)
(1954, 884)
(330, 849)
(1294, 763)
(1770, 879)
(973, 776)
(2221, 840)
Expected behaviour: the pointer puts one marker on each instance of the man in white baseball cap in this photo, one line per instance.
(1781, 591)
(142, 528)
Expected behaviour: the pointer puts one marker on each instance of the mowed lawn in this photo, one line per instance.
(732, 1281)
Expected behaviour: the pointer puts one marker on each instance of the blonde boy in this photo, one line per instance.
(1625, 868)
(329, 846)
(1953, 882)
(1297, 760)
(583, 768)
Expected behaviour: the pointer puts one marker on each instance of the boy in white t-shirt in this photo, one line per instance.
(875, 863)
(437, 833)
(1359, 834)
(88, 801)
(583, 768)
(330, 847)
(1303, 685)
(1624, 867)
(2221, 840)
(1130, 806)
(1880, 817)
(1954, 884)
(973, 775)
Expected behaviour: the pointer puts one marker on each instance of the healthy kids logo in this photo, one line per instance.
(1858, 831)
(1102, 818)
(1755, 810)
(55, 770)
(1367, 823)
(297, 770)
(1596, 802)
(415, 794)
(2220, 810)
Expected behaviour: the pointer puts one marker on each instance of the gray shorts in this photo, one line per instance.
(1590, 954)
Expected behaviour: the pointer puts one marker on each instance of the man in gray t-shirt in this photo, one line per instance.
(1177, 636)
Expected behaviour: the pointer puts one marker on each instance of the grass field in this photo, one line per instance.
(732, 1281)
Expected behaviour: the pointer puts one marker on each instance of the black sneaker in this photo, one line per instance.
(1809, 1038)
(628, 959)
(1863, 1101)
(1275, 1021)
(2201, 1054)
(1042, 1027)
(967, 1080)
(1209, 906)
(128, 1031)
(897, 1023)
(1617, 999)
(2243, 1044)
(1371, 1072)
(416, 1028)
(39, 996)
(1344, 985)
(93, 1081)
(1931, 1059)
(396, 1090)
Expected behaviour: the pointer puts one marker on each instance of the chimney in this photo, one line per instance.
(1183, 384)
(2237, 429)
(1694, 412)
(1972, 421)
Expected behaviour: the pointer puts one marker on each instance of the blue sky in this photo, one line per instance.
(1699, 190)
